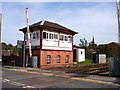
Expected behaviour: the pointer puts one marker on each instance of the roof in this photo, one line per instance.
(118, 44)
(75, 46)
(47, 24)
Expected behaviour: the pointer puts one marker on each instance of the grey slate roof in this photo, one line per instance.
(47, 24)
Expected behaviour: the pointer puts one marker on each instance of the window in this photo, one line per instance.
(50, 36)
(37, 35)
(33, 35)
(47, 35)
(66, 59)
(48, 59)
(44, 35)
(70, 39)
(26, 36)
(81, 52)
(61, 37)
(58, 58)
(66, 38)
(55, 36)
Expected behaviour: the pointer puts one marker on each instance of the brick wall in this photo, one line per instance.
(43, 56)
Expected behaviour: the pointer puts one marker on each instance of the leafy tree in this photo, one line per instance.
(89, 47)
(106, 50)
(83, 43)
(88, 54)
(10, 47)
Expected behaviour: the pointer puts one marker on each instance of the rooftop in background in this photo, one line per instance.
(46, 24)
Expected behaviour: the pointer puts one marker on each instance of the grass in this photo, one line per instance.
(86, 62)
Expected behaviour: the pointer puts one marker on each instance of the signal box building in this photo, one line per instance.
(51, 44)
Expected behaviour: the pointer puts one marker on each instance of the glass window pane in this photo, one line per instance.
(67, 59)
(48, 58)
(58, 58)
(44, 35)
(66, 38)
(33, 35)
(61, 37)
(50, 36)
(55, 36)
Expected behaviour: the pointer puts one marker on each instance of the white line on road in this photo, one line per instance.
(16, 83)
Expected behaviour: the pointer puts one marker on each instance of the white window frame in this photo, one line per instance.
(48, 59)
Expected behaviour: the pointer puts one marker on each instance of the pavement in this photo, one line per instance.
(89, 78)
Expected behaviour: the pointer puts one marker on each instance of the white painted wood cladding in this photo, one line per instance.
(56, 41)
(51, 40)
(35, 38)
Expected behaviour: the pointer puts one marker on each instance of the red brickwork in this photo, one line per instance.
(54, 63)
(42, 56)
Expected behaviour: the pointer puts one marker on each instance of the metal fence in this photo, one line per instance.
(114, 66)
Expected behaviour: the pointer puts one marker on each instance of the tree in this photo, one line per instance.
(106, 50)
(83, 43)
(10, 47)
(92, 44)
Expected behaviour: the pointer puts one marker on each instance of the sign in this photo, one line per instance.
(20, 42)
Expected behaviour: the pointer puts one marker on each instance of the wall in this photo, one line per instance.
(43, 56)
(35, 52)
(101, 58)
(80, 54)
(56, 44)
(12, 60)
(35, 39)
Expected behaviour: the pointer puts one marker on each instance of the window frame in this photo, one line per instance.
(48, 59)
(58, 58)
(67, 59)
(61, 38)
(70, 39)
(34, 35)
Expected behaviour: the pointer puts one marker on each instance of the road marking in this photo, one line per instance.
(17, 83)
(72, 78)
(28, 87)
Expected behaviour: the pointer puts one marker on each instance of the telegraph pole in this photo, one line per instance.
(29, 42)
(118, 14)
(0, 38)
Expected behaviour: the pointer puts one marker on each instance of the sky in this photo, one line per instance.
(98, 19)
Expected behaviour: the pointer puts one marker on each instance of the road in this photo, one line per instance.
(17, 79)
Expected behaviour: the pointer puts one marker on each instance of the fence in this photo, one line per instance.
(12, 60)
(114, 66)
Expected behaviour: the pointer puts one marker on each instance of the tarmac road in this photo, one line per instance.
(17, 79)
